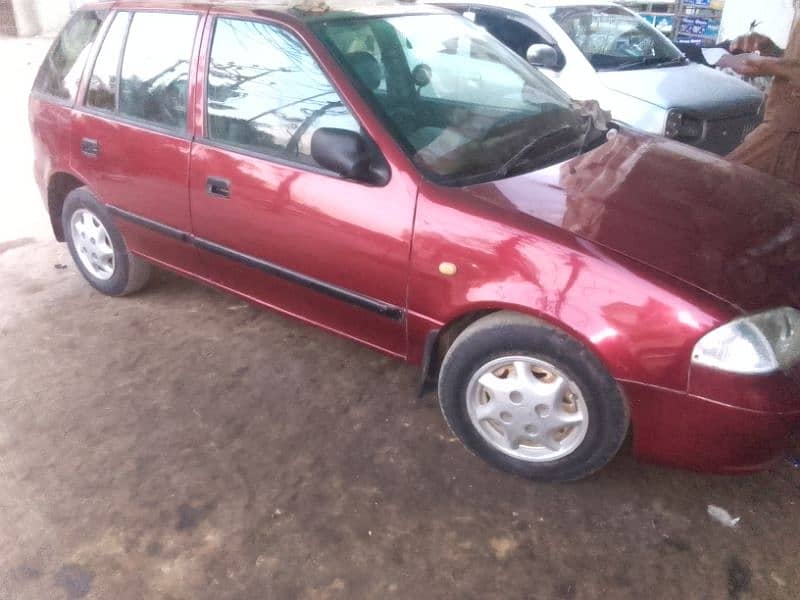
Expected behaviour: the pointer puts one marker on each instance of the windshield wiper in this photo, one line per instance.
(673, 62)
(652, 61)
(503, 170)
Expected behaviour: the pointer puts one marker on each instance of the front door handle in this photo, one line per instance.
(90, 147)
(216, 186)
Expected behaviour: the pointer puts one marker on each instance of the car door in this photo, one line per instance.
(275, 227)
(54, 93)
(131, 134)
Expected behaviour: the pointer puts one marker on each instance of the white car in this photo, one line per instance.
(602, 51)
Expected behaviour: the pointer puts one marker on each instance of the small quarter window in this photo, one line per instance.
(155, 68)
(60, 74)
(103, 85)
(267, 93)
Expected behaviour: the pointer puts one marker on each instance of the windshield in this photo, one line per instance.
(613, 38)
(459, 102)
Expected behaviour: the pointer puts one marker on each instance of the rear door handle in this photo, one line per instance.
(90, 147)
(216, 186)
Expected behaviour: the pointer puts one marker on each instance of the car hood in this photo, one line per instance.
(706, 92)
(724, 228)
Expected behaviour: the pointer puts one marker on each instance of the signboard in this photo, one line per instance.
(695, 27)
(712, 4)
(664, 23)
(687, 39)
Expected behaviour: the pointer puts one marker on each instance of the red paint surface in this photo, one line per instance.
(637, 249)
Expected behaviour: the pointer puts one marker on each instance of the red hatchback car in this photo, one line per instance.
(393, 174)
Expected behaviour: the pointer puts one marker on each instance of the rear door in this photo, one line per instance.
(274, 225)
(55, 92)
(131, 135)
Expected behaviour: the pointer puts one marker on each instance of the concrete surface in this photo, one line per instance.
(180, 444)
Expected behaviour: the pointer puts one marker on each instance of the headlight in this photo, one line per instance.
(760, 343)
(682, 127)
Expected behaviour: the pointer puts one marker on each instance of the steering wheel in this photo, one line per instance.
(293, 146)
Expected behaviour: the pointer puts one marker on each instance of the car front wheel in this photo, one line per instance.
(531, 400)
(97, 247)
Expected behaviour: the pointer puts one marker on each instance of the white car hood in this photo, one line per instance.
(692, 87)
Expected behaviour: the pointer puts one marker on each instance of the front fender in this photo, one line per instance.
(641, 323)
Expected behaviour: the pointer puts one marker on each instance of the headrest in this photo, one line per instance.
(367, 68)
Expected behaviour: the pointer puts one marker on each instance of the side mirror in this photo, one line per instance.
(349, 154)
(542, 55)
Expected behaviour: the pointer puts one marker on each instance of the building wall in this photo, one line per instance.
(27, 20)
(35, 17)
(8, 25)
(52, 14)
(775, 17)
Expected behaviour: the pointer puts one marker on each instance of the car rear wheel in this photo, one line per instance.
(531, 400)
(97, 247)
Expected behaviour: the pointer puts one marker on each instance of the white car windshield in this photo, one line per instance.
(463, 106)
(614, 39)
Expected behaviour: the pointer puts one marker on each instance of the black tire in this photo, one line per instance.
(504, 334)
(130, 273)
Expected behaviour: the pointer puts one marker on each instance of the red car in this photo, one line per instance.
(395, 175)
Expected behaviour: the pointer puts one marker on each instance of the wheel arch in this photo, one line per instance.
(439, 340)
(59, 186)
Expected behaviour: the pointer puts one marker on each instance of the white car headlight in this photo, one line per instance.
(761, 343)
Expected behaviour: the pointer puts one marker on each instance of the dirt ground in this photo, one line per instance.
(181, 444)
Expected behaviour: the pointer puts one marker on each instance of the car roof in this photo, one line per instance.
(304, 10)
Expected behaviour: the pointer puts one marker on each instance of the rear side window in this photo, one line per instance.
(155, 68)
(103, 84)
(60, 74)
(267, 93)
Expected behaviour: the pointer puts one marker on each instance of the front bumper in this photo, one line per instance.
(724, 424)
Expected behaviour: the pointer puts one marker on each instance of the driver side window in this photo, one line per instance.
(513, 34)
(266, 93)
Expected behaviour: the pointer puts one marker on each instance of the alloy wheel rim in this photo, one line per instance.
(527, 408)
(92, 244)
